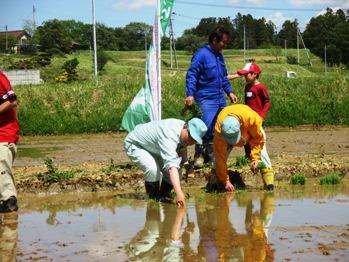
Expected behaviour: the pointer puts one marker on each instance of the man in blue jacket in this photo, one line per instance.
(206, 83)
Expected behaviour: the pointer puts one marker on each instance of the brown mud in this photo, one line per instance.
(96, 162)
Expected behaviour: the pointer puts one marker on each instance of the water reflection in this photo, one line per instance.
(220, 241)
(8, 237)
(161, 235)
(241, 226)
(169, 235)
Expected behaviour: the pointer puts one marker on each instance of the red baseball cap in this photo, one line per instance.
(250, 68)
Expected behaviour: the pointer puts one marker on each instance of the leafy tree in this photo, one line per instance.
(136, 34)
(190, 42)
(331, 30)
(11, 42)
(52, 34)
(288, 33)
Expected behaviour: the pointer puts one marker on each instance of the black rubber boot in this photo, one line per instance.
(152, 189)
(208, 154)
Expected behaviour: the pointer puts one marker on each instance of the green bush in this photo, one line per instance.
(68, 72)
(298, 179)
(292, 60)
(330, 179)
(102, 59)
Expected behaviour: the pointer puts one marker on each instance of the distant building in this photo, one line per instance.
(21, 36)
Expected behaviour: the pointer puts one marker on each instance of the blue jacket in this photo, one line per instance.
(207, 75)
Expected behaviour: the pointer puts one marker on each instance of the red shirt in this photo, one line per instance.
(256, 97)
(9, 126)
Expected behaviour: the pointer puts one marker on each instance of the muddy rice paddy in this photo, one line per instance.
(101, 213)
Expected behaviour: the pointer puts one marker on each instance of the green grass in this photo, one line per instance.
(330, 179)
(298, 179)
(87, 106)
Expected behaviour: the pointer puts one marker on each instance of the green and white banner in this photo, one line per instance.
(146, 105)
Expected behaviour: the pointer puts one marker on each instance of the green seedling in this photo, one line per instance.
(298, 179)
(241, 161)
(330, 179)
(261, 165)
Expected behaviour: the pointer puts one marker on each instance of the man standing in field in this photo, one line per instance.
(9, 135)
(238, 125)
(206, 83)
(159, 148)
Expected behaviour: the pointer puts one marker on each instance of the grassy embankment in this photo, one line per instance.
(84, 106)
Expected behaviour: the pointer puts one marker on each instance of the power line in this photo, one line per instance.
(251, 7)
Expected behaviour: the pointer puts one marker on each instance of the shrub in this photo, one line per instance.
(68, 72)
(102, 59)
(330, 179)
(298, 179)
(292, 60)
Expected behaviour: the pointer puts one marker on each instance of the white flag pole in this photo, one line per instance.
(159, 58)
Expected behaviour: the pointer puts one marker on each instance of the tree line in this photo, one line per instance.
(329, 31)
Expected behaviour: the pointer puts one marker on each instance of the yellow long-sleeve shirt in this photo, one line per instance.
(251, 133)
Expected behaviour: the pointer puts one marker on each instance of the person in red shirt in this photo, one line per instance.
(9, 135)
(256, 95)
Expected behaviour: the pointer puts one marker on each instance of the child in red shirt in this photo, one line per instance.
(256, 95)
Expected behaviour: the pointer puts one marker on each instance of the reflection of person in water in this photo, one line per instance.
(217, 235)
(160, 239)
(8, 237)
(258, 247)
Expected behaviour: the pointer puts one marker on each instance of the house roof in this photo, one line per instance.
(17, 33)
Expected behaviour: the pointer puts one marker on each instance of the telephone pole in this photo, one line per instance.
(94, 39)
(172, 44)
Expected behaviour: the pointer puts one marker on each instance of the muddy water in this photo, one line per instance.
(297, 224)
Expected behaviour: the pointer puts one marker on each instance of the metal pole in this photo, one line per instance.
(159, 58)
(297, 47)
(244, 43)
(34, 23)
(171, 35)
(286, 50)
(325, 59)
(6, 39)
(94, 40)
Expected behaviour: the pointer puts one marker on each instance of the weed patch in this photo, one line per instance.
(330, 179)
(298, 179)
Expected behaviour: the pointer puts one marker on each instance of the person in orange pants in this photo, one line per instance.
(238, 125)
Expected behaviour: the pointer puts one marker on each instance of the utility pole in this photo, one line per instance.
(297, 47)
(172, 44)
(145, 42)
(171, 35)
(325, 59)
(94, 40)
(244, 43)
(34, 23)
(306, 51)
(6, 38)
(286, 50)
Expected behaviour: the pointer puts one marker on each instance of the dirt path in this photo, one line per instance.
(308, 150)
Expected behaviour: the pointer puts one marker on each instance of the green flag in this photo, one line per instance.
(145, 105)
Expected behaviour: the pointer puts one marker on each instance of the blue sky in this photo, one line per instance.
(118, 13)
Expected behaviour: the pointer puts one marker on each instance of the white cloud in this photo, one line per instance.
(133, 4)
(278, 19)
(341, 3)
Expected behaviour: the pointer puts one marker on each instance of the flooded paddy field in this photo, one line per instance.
(61, 220)
(295, 223)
